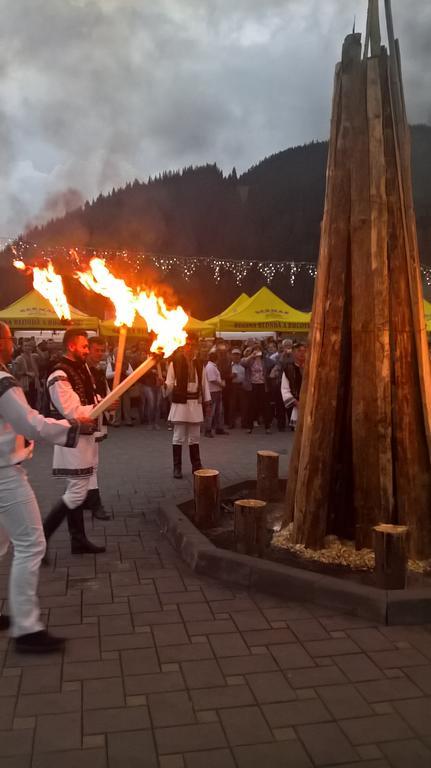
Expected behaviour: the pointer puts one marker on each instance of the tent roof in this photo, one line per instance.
(202, 327)
(233, 308)
(33, 311)
(139, 328)
(266, 312)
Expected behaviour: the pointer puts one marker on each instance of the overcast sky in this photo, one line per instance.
(94, 93)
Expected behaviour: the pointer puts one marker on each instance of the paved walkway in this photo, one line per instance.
(167, 670)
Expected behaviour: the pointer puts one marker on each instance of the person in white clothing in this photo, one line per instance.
(187, 381)
(291, 383)
(72, 392)
(20, 520)
(215, 418)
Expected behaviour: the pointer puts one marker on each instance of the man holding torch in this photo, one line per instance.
(20, 521)
(72, 393)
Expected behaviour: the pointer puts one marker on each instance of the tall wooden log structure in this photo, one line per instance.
(363, 448)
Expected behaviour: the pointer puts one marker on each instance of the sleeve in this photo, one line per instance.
(65, 399)
(170, 378)
(286, 392)
(15, 410)
(109, 370)
(206, 394)
(246, 361)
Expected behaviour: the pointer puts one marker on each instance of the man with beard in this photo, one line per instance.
(20, 521)
(72, 393)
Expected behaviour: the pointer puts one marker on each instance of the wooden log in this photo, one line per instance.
(207, 498)
(250, 526)
(267, 475)
(390, 548)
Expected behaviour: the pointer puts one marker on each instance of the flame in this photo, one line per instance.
(167, 324)
(100, 280)
(50, 285)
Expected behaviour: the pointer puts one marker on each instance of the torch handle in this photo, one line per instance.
(123, 387)
(120, 355)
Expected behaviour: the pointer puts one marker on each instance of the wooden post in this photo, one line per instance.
(267, 475)
(207, 498)
(250, 526)
(390, 548)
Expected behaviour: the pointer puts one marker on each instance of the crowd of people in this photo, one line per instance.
(245, 381)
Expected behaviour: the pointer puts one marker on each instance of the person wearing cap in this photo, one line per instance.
(20, 520)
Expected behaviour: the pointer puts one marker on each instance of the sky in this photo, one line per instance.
(95, 93)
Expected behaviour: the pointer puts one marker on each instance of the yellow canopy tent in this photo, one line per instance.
(34, 312)
(200, 327)
(231, 310)
(427, 307)
(266, 312)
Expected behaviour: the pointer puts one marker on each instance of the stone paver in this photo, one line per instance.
(167, 669)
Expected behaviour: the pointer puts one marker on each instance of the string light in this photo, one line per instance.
(186, 265)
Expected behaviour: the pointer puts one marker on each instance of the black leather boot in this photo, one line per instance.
(78, 539)
(177, 451)
(195, 457)
(93, 503)
(54, 519)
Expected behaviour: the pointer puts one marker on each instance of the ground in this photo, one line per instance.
(164, 669)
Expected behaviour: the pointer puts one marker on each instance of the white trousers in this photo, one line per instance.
(186, 433)
(21, 524)
(77, 489)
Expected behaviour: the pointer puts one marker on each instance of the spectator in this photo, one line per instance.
(256, 374)
(216, 384)
(238, 402)
(124, 412)
(291, 383)
(26, 372)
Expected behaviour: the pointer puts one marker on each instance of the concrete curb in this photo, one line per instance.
(380, 606)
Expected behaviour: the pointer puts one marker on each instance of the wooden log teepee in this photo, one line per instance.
(362, 450)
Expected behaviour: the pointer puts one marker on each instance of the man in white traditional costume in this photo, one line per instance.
(97, 348)
(291, 383)
(20, 520)
(72, 393)
(186, 380)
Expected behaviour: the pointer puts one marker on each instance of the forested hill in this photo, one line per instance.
(271, 212)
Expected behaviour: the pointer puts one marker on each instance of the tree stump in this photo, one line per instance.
(267, 475)
(390, 548)
(207, 498)
(250, 526)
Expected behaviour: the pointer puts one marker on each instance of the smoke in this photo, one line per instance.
(94, 93)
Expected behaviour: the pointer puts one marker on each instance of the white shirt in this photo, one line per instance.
(213, 377)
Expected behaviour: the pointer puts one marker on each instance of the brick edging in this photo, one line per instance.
(380, 606)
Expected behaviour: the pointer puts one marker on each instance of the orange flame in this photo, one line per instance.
(167, 324)
(50, 286)
(100, 280)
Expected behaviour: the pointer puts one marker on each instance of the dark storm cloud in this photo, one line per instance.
(96, 92)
